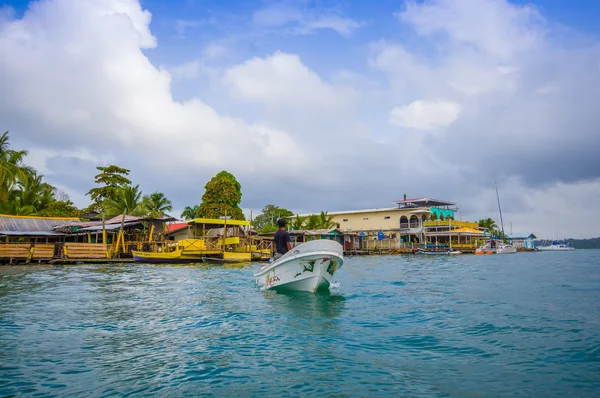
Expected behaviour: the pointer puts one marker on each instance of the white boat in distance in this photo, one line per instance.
(307, 267)
(557, 247)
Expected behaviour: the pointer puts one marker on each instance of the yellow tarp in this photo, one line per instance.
(468, 231)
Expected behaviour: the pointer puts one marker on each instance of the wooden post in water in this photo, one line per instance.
(103, 229)
(225, 231)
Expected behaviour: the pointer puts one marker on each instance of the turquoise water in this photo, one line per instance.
(525, 324)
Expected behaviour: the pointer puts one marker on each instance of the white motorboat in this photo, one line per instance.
(557, 247)
(494, 246)
(307, 267)
(505, 248)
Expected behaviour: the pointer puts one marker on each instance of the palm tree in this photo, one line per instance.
(489, 224)
(11, 167)
(128, 201)
(190, 212)
(157, 204)
(313, 222)
(326, 221)
(298, 223)
(28, 195)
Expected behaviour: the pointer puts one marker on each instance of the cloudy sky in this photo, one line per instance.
(316, 104)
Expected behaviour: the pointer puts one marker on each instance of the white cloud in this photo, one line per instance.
(75, 75)
(283, 80)
(303, 22)
(78, 89)
(425, 114)
(497, 28)
(278, 15)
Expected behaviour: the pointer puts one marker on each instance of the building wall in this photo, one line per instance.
(385, 221)
(179, 235)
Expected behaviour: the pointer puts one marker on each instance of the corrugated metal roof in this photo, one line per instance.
(30, 233)
(108, 227)
(11, 223)
(522, 236)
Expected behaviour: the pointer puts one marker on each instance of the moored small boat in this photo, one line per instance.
(307, 267)
(174, 257)
(557, 247)
(494, 246)
(440, 250)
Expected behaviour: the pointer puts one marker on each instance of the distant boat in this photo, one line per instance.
(437, 250)
(557, 246)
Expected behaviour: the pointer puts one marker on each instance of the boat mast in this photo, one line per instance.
(500, 210)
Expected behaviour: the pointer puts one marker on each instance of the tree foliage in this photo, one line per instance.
(60, 208)
(127, 200)
(223, 195)
(490, 225)
(157, 204)
(326, 221)
(313, 222)
(190, 212)
(110, 179)
(12, 169)
(267, 220)
(298, 223)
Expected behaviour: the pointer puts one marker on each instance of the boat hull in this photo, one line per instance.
(506, 250)
(308, 267)
(174, 257)
(555, 249)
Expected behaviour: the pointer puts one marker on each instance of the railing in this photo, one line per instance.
(453, 223)
(379, 244)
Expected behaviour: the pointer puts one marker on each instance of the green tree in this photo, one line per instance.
(157, 204)
(326, 221)
(267, 220)
(223, 195)
(127, 201)
(112, 178)
(12, 169)
(313, 222)
(298, 223)
(28, 196)
(60, 208)
(190, 212)
(490, 225)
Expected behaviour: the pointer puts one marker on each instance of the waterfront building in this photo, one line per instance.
(178, 231)
(412, 220)
(522, 241)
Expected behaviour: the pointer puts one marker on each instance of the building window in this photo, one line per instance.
(365, 218)
(386, 217)
(345, 219)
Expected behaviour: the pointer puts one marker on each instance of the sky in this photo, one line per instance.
(316, 104)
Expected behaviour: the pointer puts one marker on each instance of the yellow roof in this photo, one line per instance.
(216, 221)
(468, 230)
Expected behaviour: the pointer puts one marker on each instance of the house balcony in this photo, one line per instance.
(410, 228)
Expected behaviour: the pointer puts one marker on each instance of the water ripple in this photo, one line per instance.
(526, 324)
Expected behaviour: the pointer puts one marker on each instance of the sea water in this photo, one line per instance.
(522, 324)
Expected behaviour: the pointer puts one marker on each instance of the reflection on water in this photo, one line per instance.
(396, 326)
(306, 304)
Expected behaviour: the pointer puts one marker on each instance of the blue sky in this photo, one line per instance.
(315, 104)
